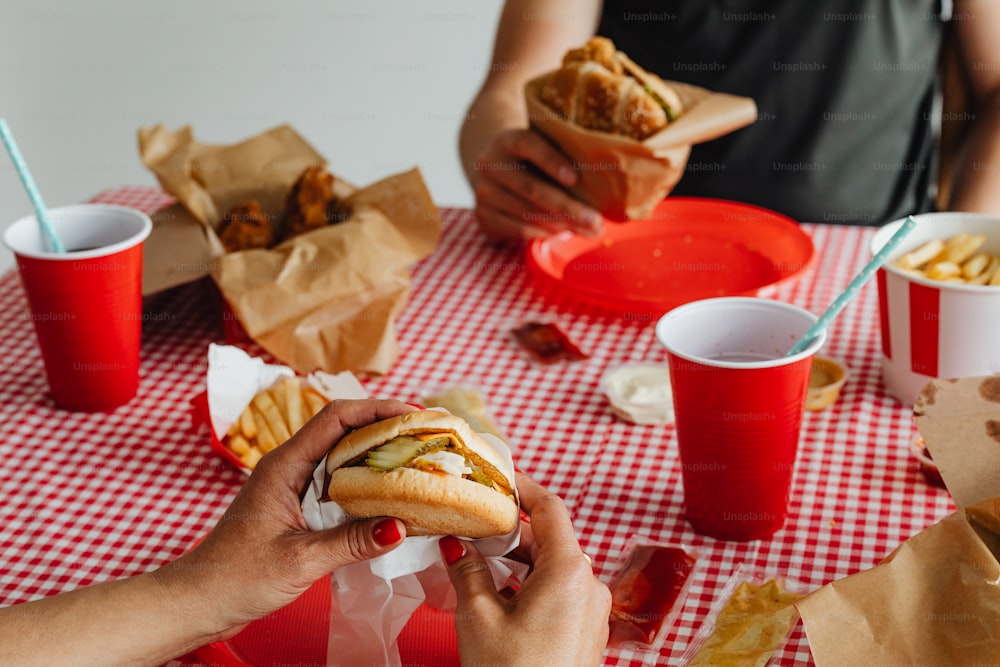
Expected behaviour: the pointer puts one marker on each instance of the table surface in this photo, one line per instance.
(86, 498)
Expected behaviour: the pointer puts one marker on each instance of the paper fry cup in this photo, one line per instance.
(931, 329)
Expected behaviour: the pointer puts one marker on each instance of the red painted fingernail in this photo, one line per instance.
(386, 532)
(516, 469)
(417, 406)
(567, 175)
(451, 548)
(524, 516)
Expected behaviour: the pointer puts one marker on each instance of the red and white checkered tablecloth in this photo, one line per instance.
(91, 497)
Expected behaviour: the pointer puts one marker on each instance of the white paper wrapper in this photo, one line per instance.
(234, 378)
(373, 600)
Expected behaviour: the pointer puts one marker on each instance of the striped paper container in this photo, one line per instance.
(932, 329)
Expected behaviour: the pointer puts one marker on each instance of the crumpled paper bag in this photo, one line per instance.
(935, 600)
(323, 300)
(624, 178)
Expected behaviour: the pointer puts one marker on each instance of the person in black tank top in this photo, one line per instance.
(844, 96)
(846, 92)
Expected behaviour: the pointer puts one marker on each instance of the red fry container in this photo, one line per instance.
(200, 415)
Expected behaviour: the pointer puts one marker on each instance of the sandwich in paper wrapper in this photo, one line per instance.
(628, 132)
(935, 600)
(320, 293)
(372, 600)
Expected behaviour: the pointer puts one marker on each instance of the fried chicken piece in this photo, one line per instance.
(338, 211)
(308, 200)
(600, 50)
(246, 226)
(599, 88)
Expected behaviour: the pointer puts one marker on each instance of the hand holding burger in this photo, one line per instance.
(522, 179)
(259, 558)
(559, 616)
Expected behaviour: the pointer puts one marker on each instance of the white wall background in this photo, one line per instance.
(376, 86)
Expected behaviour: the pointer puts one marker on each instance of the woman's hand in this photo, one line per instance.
(262, 555)
(560, 614)
(518, 183)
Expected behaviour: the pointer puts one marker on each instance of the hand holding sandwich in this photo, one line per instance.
(519, 181)
(560, 614)
(259, 558)
(266, 554)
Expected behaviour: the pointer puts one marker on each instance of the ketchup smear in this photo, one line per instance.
(547, 343)
(645, 592)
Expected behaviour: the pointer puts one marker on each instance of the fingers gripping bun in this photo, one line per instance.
(431, 498)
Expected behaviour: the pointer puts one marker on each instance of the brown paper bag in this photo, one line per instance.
(179, 250)
(207, 180)
(323, 300)
(210, 179)
(960, 423)
(933, 601)
(936, 599)
(624, 178)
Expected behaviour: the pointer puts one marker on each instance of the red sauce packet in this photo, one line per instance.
(546, 343)
(647, 593)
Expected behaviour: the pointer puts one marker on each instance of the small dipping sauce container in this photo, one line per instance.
(640, 392)
(825, 381)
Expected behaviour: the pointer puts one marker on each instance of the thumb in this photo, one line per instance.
(355, 541)
(469, 573)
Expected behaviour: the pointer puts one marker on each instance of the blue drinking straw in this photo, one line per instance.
(48, 233)
(852, 288)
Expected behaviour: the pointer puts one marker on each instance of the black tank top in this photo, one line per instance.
(844, 90)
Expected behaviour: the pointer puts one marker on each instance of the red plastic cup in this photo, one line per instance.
(738, 405)
(86, 304)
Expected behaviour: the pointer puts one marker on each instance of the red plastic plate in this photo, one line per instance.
(689, 249)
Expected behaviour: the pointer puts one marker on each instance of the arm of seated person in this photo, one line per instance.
(977, 167)
(517, 175)
(260, 557)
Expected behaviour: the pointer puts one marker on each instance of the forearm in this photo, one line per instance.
(143, 620)
(977, 170)
(493, 111)
(531, 38)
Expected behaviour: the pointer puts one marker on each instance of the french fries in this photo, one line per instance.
(954, 260)
(273, 416)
